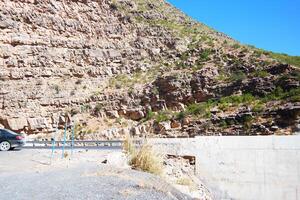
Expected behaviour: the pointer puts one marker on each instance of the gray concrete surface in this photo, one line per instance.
(28, 175)
(243, 168)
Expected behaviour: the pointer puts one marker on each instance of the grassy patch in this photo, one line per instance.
(280, 94)
(238, 76)
(292, 60)
(97, 109)
(129, 81)
(205, 54)
(235, 100)
(163, 116)
(195, 109)
(236, 46)
(261, 73)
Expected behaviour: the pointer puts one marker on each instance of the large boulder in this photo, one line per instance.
(17, 124)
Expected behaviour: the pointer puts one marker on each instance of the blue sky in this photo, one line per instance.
(269, 24)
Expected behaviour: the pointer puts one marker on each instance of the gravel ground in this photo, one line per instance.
(29, 175)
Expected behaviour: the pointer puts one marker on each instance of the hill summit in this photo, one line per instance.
(137, 66)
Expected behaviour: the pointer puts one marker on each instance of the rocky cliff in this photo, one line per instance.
(136, 66)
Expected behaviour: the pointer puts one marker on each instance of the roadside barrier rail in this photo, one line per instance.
(79, 143)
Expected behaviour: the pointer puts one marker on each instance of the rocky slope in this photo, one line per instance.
(136, 66)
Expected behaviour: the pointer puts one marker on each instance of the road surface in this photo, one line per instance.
(29, 175)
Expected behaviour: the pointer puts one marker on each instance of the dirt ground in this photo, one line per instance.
(93, 174)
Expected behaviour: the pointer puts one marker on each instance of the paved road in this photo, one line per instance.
(28, 175)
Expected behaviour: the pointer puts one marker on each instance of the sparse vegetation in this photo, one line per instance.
(261, 73)
(204, 56)
(236, 46)
(292, 60)
(85, 108)
(97, 109)
(163, 116)
(123, 81)
(144, 158)
(238, 76)
(280, 94)
(147, 160)
(81, 130)
(149, 116)
(184, 181)
(57, 89)
(78, 82)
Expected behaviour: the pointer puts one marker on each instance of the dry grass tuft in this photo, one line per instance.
(145, 158)
(128, 145)
(184, 181)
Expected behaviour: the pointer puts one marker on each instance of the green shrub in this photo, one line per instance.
(238, 99)
(57, 89)
(195, 109)
(261, 73)
(85, 108)
(236, 46)
(292, 60)
(258, 107)
(199, 109)
(162, 116)
(204, 56)
(238, 76)
(181, 115)
(149, 116)
(223, 124)
(295, 98)
(97, 109)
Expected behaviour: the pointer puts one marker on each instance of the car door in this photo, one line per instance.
(1, 136)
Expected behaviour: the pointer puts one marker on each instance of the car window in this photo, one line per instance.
(8, 132)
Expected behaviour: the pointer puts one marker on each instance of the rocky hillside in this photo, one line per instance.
(140, 67)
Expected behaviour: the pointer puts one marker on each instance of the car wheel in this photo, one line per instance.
(4, 146)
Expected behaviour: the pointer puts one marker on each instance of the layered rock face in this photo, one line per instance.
(56, 55)
(110, 64)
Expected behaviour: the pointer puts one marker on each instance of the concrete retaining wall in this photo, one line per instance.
(245, 168)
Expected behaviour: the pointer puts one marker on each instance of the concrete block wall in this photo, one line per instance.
(243, 168)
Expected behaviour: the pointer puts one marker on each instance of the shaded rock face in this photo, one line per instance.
(260, 86)
(174, 90)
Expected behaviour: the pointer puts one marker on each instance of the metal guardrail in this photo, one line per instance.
(79, 143)
(83, 143)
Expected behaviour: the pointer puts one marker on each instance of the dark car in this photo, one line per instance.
(10, 140)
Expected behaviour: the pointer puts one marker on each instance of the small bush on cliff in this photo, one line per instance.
(236, 46)
(181, 115)
(235, 100)
(238, 76)
(149, 116)
(57, 89)
(199, 109)
(204, 56)
(97, 109)
(261, 73)
(163, 116)
(292, 60)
